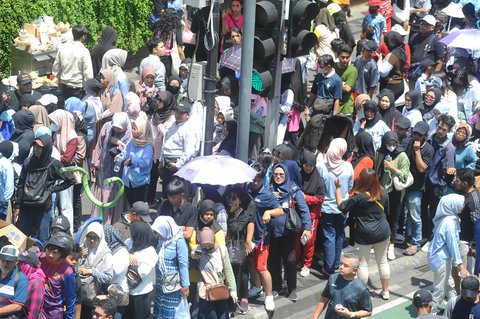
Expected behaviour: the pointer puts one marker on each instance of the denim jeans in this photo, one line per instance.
(413, 202)
(333, 226)
(212, 309)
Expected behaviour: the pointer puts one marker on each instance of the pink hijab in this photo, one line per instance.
(334, 155)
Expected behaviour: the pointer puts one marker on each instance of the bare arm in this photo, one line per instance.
(421, 166)
(187, 232)
(320, 307)
(336, 107)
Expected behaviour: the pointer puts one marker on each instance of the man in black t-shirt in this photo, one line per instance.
(459, 307)
(345, 296)
(420, 154)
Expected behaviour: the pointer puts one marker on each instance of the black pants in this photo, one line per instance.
(167, 61)
(152, 188)
(429, 208)
(86, 312)
(138, 307)
(69, 91)
(77, 207)
(397, 89)
(166, 178)
(136, 194)
(254, 145)
(189, 50)
(282, 252)
(395, 207)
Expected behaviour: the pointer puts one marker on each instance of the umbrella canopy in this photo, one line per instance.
(454, 10)
(232, 58)
(216, 170)
(466, 39)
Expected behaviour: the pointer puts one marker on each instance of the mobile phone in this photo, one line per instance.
(361, 115)
(303, 239)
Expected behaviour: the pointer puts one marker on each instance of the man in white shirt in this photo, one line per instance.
(73, 64)
(156, 47)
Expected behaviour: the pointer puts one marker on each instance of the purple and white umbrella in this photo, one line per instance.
(216, 170)
(468, 39)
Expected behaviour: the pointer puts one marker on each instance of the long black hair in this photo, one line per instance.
(169, 23)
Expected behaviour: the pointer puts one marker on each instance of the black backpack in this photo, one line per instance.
(35, 191)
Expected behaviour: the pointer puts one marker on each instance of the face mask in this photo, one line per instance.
(53, 127)
(321, 71)
(173, 89)
(391, 148)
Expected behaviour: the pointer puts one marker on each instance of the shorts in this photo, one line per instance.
(260, 258)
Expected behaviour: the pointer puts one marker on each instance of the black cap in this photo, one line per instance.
(141, 209)
(370, 45)
(24, 78)
(470, 286)
(426, 63)
(422, 298)
(403, 122)
(29, 257)
(61, 240)
(62, 223)
(184, 106)
(421, 128)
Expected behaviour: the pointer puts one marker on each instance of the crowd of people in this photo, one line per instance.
(401, 172)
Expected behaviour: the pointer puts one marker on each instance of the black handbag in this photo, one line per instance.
(236, 250)
(294, 222)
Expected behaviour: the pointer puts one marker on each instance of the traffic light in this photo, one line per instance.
(265, 45)
(299, 38)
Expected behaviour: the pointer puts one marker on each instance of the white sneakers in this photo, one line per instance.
(269, 303)
(391, 252)
(305, 272)
(385, 295)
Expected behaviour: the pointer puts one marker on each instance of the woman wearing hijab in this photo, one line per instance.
(145, 87)
(444, 251)
(110, 96)
(162, 118)
(92, 89)
(143, 259)
(465, 155)
(326, 31)
(387, 109)
(313, 188)
(174, 86)
(392, 65)
(392, 161)
(134, 110)
(96, 264)
(431, 98)
(282, 242)
(23, 134)
(33, 217)
(229, 87)
(107, 42)
(229, 144)
(413, 107)
(137, 161)
(363, 157)
(120, 258)
(41, 116)
(114, 59)
(7, 127)
(372, 123)
(369, 205)
(111, 141)
(215, 268)
(333, 220)
(172, 259)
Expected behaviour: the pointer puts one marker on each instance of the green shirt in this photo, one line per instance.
(348, 76)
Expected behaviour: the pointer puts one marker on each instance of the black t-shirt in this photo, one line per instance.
(371, 222)
(352, 295)
(469, 216)
(185, 216)
(427, 156)
(426, 48)
(462, 309)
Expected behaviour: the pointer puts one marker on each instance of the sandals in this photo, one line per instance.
(410, 251)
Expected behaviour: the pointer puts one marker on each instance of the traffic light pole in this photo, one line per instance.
(246, 80)
(211, 81)
(273, 112)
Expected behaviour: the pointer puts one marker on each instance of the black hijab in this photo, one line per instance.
(395, 45)
(364, 143)
(372, 106)
(23, 134)
(229, 143)
(45, 157)
(175, 90)
(415, 99)
(383, 152)
(204, 206)
(142, 236)
(391, 114)
(169, 103)
(313, 184)
(428, 110)
(107, 42)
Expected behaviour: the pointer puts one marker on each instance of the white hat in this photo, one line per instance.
(429, 19)
(398, 28)
(47, 99)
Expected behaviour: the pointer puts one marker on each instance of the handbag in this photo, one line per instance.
(236, 250)
(90, 287)
(188, 36)
(217, 292)
(176, 61)
(133, 277)
(294, 222)
(399, 186)
(171, 282)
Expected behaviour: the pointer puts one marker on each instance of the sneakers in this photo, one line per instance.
(391, 252)
(269, 303)
(254, 292)
(243, 306)
(305, 272)
(292, 296)
(385, 295)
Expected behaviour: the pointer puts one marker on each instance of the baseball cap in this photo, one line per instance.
(429, 19)
(433, 81)
(421, 128)
(9, 252)
(470, 286)
(333, 8)
(426, 63)
(398, 28)
(422, 298)
(370, 45)
(24, 78)
(62, 223)
(403, 122)
(141, 209)
(29, 257)
(38, 142)
(48, 99)
(184, 106)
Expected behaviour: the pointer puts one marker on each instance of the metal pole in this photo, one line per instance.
(246, 81)
(273, 112)
(211, 80)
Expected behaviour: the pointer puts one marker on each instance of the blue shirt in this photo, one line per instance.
(444, 245)
(328, 87)
(378, 23)
(443, 158)
(329, 206)
(138, 172)
(6, 183)
(17, 294)
(264, 200)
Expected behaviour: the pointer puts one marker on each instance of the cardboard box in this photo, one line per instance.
(14, 235)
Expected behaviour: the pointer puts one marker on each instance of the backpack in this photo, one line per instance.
(35, 192)
(311, 136)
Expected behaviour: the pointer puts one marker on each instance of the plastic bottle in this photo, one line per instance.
(119, 162)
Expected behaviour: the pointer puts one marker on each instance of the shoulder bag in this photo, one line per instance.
(236, 250)
(294, 222)
(171, 281)
(399, 186)
(90, 287)
(217, 292)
